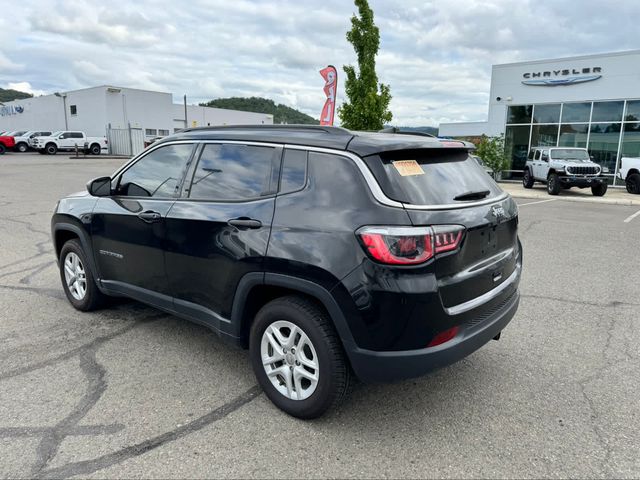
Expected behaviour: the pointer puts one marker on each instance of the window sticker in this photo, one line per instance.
(408, 168)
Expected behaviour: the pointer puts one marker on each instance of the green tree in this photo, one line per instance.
(367, 109)
(492, 152)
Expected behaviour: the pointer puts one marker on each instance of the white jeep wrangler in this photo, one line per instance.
(630, 173)
(563, 167)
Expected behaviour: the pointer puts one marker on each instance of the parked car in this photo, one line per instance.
(69, 141)
(563, 167)
(324, 252)
(630, 172)
(23, 141)
(6, 143)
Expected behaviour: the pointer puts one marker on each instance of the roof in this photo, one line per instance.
(361, 143)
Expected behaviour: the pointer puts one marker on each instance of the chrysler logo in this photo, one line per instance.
(563, 76)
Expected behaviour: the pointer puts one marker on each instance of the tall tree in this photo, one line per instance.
(367, 109)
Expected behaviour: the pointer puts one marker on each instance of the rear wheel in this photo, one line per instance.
(95, 149)
(553, 184)
(633, 183)
(2, 149)
(527, 179)
(22, 147)
(77, 278)
(51, 149)
(297, 357)
(599, 190)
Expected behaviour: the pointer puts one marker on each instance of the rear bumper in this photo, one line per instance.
(373, 366)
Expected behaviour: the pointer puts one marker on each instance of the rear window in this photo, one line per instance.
(431, 176)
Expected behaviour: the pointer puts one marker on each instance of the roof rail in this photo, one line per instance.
(290, 127)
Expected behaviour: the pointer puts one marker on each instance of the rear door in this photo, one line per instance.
(129, 226)
(219, 230)
(447, 187)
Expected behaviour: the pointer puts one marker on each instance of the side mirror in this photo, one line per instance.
(100, 187)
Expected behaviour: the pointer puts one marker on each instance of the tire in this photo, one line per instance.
(527, 179)
(553, 184)
(22, 147)
(83, 299)
(633, 183)
(271, 330)
(599, 190)
(2, 149)
(94, 149)
(51, 149)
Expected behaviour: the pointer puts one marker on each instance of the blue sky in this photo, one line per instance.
(436, 55)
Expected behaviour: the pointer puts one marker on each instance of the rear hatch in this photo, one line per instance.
(445, 186)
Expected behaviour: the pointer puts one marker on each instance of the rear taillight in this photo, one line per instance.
(443, 337)
(409, 245)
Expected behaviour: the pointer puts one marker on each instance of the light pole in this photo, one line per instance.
(64, 106)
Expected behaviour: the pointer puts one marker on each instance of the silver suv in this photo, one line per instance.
(563, 167)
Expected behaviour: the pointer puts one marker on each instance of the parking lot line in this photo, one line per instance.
(631, 217)
(539, 201)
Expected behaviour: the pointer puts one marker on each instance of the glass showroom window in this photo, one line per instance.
(603, 144)
(633, 111)
(544, 136)
(607, 111)
(519, 114)
(631, 140)
(576, 112)
(517, 145)
(573, 135)
(548, 113)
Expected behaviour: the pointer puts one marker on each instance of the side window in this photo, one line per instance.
(294, 171)
(75, 135)
(545, 155)
(537, 155)
(73, 109)
(531, 152)
(157, 174)
(64, 135)
(228, 172)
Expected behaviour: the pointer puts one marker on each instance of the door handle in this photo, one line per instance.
(150, 216)
(244, 222)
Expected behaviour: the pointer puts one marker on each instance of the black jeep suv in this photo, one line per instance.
(325, 252)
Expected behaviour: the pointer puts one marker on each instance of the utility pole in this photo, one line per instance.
(186, 125)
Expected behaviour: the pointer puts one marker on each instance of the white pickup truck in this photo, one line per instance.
(630, 173)
(69, 141)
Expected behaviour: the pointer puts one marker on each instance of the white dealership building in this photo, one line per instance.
(127, 116)
(590, 101)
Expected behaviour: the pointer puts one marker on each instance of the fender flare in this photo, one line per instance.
(301, 285)
(86, 244)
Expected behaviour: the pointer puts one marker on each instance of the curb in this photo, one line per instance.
(606, 201)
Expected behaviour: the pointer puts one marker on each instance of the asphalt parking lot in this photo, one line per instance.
(133, 392)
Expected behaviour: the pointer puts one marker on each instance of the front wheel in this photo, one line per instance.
(599, 190)
(77, 278)
(553, 184)
(527, 179)
(22, 147)
(51, 149)
(297, 357)
(633, 183)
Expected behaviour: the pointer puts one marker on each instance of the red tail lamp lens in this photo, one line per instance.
(443, 337)
(409, 245)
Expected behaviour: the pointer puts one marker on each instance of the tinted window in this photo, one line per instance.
(546, 113)
(537, 155)
(294, 171)
(75, 135)
(519, 114)
(233, 172)
(607, 111)
(576, 112)
(441, 174)
(633, 111)
(157, 174)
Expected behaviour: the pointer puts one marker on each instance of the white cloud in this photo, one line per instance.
(435, 54)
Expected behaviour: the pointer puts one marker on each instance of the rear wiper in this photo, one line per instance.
(472, 195)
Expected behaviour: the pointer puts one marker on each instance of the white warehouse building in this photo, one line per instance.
(117, 112)
(590, 101)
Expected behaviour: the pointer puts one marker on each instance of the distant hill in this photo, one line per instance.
(7, 95)
(281, 113)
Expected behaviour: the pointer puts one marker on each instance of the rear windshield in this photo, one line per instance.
(434, 176)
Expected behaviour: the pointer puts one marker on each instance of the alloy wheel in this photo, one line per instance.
(75, 276)
(290, 360)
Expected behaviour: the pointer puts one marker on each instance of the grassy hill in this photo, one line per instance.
(6, 95)
(281, 113)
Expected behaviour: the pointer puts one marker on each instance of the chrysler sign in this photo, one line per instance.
(10, 110)
(563, 76)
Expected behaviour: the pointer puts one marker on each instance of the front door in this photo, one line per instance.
(219, 230)
(129, 226)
